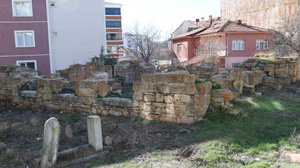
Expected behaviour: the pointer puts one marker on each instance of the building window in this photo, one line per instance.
(24, 38)
(112, 49)
(179, 48)
(113, 36)
(261, 44)
(212, 47)
(238, 44)
(53, 34)
(28, 63)
(52, 4)
(112, 11)
(113, 24)
(22, 8)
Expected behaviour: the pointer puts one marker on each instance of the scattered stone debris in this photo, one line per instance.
(69, 132)
(108, 140)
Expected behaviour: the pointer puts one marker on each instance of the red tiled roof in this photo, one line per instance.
(230, 26)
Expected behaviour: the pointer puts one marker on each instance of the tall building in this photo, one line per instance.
(50, 35)
(24, 34)
(261, 13)
(114, 38)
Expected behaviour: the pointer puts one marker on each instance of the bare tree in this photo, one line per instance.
(145, 41)
(287, 37)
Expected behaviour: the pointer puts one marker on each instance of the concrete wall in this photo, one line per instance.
(261, 13)
(80, 27)
(9, 54)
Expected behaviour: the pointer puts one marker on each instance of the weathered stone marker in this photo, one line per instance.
(50, 142)
(95, 132)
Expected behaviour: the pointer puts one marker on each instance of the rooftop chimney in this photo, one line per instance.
(210, 20)
(197, 23)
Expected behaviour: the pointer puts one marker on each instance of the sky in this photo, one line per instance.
(166, 15)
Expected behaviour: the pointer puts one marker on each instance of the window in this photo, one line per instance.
(112, 49)
(53, 34)
(238, 44)
(24, 38)
(179, 48)
(22, 8)
(261, 44)
(113, 36)
(52, 4)
(113, 24)
(28, 63)
(112, 11)
(212, 47)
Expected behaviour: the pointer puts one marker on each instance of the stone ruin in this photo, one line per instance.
(174, 96)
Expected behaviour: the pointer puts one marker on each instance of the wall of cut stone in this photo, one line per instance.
(261, 13)
(171, 97)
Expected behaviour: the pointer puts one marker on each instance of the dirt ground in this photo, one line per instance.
(21, 131)
(141, 143)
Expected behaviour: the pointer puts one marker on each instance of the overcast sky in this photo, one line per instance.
(167, 15)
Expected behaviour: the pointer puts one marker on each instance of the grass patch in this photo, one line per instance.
(256, 131)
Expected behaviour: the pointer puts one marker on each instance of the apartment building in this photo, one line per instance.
(50, 35)
(24, 39)
(114, 38)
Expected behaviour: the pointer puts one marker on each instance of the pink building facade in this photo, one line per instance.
(231, 42)
(24, 34)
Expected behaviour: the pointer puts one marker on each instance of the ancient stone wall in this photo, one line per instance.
(261, 13)
(171, 97)
(131, 70)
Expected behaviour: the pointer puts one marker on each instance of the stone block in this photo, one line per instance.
(238, 85)
(190, 89)
(223, 93)
(146, 107)
(185, 78)
(169, 99)
(150, 116)
(163, 88)
(201, 88)
(159, 97)
(173, 78)
(103, 89)
(193, 111)
(177, 88)
(185, 120)
(202, 100)
(148, 78)
(176, 109)
(86, 92)
(138, 96)
(183, 99)
(149, 98)
(137, 86)
(117, 86)
(161, 79)
(168, 118)
(115, 113)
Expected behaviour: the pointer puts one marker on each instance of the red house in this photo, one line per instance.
(227, 42)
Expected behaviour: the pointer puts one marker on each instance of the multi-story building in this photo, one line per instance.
(49, 35)
(261, 13)
(24, 39)
(114, 38)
